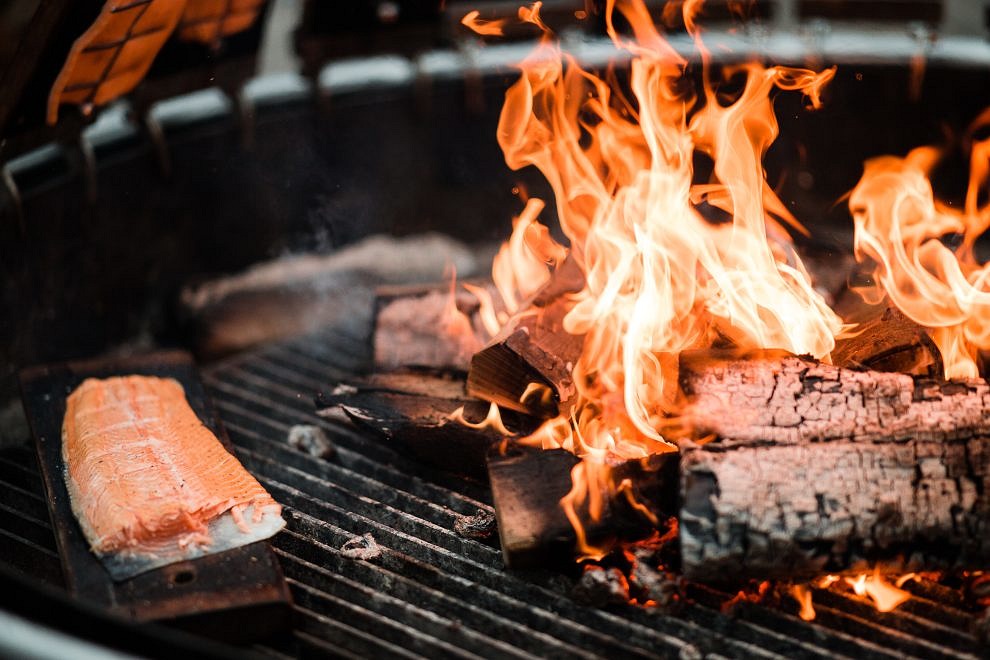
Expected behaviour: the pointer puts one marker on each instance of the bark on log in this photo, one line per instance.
(412, 409)
(532, 348)
(817, 469)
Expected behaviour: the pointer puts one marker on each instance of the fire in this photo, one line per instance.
(900, 226)
(886, 597)
(492, 420)
(489, 28)
(670, 262)
(802, 595)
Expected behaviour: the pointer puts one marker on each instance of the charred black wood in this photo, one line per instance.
(528, 484)
(533, 348)
(415, 410)
(816, 469)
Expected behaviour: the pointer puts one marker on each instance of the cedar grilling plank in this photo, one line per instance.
(239, 595)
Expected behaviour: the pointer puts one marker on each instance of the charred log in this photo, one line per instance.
(528, 484)
(817, 469)
(414, 409)
(532, 348)
(884, 339)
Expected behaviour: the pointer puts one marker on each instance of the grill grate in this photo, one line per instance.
(433, 593)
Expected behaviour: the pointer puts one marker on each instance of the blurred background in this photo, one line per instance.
(325, 122)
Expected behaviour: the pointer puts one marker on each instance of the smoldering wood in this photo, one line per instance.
(528, 483)
(533, 348)
(413, 409)
(412, 327)
(816, 469)
(884, 339)
(297, 294)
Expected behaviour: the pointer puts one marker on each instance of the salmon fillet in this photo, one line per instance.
(149, 483)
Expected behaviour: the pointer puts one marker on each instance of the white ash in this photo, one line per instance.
(343, 389)
(362, 547)
(661, 587)
(479, 526)
(311, 440)
(600, 587)
(335, 413)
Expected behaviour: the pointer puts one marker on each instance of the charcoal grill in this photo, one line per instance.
(433, 593)
(286, 149)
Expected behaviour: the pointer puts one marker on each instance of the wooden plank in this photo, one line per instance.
(238, 595)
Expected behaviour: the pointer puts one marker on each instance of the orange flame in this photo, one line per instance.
(520, 269)
(660, 277)
(899, 225)
(802, 595)
(491, 421)
(886, 597)
(483, 27)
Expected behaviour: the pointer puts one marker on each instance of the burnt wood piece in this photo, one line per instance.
(302, 293)
(528, 483)
(239, 595)
(413, 409)
(533, 347)
(816, 469)
(412, 326)
(886, 340)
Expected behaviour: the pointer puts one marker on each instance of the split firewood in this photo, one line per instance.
(429, 325)
(528, 484)
(418, 410)
(816, 469)
(303, 293)
(884, 339)
(812, 469)
(533, 348)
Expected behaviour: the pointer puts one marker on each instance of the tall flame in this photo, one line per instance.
(899, 226)
(660, 276)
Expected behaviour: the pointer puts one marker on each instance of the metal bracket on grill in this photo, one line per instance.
(14, 193)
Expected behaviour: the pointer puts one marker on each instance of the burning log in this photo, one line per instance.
(426, 326)
(817, 469)
(532, 348)
(885, 340)
(528, 484)
(302, 293)
(813, 469)
(417, 409)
